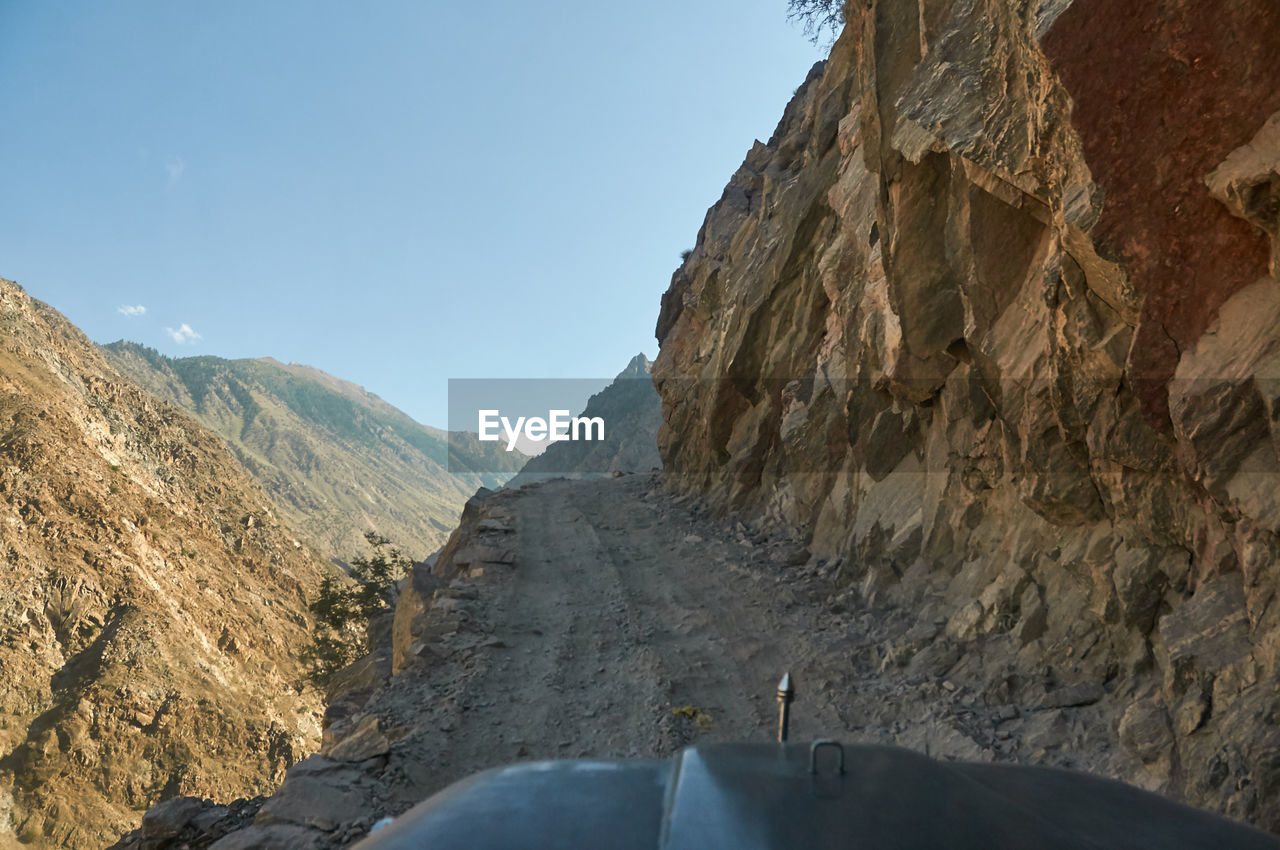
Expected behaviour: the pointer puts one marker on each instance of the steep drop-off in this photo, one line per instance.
(989, 322)
(336, 459)
(151, 607)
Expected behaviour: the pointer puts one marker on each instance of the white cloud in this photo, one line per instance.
(131, 311)
(183, 334)
(176, 166)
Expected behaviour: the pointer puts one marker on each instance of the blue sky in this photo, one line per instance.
(395, 192)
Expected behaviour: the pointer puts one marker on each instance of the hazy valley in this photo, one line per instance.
(631, 409)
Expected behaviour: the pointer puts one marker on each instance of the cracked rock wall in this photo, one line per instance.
(993, 321)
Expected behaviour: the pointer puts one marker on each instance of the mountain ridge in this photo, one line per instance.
(336, 459)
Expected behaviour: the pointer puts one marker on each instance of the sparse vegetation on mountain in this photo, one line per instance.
(335, 458)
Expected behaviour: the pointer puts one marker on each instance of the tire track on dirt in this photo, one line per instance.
(720, 636)
(581, 614)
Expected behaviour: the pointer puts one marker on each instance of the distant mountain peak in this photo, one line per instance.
(632, 412)
(639, 367)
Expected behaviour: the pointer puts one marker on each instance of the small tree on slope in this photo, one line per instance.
(344, 607)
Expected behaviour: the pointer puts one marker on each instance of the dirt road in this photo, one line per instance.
(612, 620)
(622, 608)
(631, 624)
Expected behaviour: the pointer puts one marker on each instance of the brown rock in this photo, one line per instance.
(305, 797)
(1130, 84)
(276, 837)
(167, 820)
(1144, 730)
(1248, 183)
(365, 741)
(1033, 620)
(887, 444)
(1211, 631)
(1140, 580)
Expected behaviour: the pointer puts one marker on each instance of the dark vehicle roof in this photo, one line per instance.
(758, 796)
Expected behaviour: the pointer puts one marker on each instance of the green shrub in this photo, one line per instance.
(344, 606)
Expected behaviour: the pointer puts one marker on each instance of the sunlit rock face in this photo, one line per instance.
(993, 321)
(152, 607)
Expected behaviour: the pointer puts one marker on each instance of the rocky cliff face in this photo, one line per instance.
(151, 606)
(992, 322)
(631, 412)
(335, 459)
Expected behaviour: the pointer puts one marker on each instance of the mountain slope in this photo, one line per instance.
(337, 460)
(152, 604)
(631, 411)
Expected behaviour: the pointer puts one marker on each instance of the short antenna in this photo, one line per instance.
(786, 695)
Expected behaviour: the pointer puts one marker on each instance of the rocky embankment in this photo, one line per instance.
(990, 324)
(151, 607)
